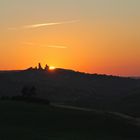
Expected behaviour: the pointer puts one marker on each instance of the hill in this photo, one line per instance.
(68, 87)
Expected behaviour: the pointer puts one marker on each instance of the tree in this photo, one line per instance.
(39, 66)
(46, 67)
(28, 91)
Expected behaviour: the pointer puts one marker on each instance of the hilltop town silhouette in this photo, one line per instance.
(39, 67)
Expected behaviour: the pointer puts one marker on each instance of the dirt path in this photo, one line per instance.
(118, 115)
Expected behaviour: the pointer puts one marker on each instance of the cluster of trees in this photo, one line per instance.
(39, 67)
(28, 94)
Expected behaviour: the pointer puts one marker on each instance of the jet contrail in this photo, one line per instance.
(40, 25)
(48, 24)
(33, 26)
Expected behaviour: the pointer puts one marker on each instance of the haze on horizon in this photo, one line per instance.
(96, 36)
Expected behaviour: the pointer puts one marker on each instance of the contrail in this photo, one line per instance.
(39, 25)
(48, 24)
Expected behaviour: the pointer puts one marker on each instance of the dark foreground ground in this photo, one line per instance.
(30, 121)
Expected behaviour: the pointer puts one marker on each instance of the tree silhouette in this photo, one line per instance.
(39, 66)
(28, 91)
(46, 67)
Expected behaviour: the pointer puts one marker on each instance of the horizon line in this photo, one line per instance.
(84, 72)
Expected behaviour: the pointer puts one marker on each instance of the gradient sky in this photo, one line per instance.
(96, 36)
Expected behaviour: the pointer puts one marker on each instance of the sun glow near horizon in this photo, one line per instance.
(52, 68)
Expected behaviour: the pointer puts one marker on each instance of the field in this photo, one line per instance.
(20, 121)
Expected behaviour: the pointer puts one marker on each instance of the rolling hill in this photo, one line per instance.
(68, 87)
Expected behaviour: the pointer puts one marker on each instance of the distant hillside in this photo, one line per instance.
(70, 87)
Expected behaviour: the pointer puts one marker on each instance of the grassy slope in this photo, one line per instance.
(20, 121)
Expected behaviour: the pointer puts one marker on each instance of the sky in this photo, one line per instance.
(94, 36)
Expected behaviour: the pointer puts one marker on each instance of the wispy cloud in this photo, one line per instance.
(39, 25)
(58, 47)
(44, 45)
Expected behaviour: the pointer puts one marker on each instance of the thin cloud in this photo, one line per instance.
(43, 45)
(33, 26)
(40, 25)
(58, 47)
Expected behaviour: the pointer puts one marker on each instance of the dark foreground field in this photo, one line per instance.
(29, 121)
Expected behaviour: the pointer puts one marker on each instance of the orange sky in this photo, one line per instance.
(97, 40)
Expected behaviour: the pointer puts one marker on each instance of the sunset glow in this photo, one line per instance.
(95, 36)
(51, 68)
